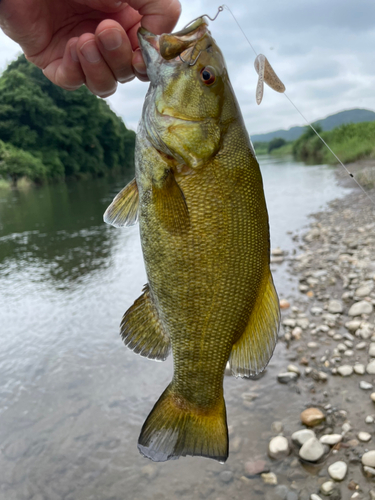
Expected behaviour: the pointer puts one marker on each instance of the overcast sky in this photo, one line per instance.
(323, 51)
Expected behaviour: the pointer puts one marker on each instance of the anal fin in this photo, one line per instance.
(123, 211)
(253, 350)
(142, 331)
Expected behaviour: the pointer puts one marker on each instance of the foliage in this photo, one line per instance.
(16, 163)
(67, 133)
(276, 143)
(349, 142)
(261, 148)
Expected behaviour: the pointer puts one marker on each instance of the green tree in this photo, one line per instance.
(71, 133)
(276, 143)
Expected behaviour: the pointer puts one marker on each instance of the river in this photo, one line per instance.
(72, 397)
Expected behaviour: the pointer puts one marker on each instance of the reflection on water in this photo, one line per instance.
(72, 397)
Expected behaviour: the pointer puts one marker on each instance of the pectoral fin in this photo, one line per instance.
(253, 350)
(170, 204)
(123, 211)
(142, 331)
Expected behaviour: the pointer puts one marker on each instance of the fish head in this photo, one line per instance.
(189, 85)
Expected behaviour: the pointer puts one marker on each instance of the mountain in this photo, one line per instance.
(328, 123)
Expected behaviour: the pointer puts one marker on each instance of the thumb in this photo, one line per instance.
(158, 16)
(104, 5)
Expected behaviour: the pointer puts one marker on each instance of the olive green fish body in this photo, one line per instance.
(199, 198)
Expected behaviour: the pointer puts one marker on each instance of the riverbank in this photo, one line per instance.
(329, 333)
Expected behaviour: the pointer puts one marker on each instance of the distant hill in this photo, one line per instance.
(329, 123)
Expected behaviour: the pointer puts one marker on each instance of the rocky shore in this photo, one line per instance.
(329, 331)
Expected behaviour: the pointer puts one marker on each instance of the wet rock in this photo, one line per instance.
(312, 417)
(370, 471)
(312, 450)
(372, 494)
(369, 419)
(313, 496)
(294, 369)
(284, 304)
(277, 251)
(235, 444)
(278, 447)
(292, 496)
(281, 492)
(335, 306)
(149, 471)
(277, 427)
(303, 323)
(255, 468)
(286, 377)
(327, 488)
(269, 478)
(300, 437)
(368, 458)
(359, 369)
(372, 350)
(297, 333)
(370, 368)
(226, 476)
(330, 439)
(366, 386)
(364, 436)
(362, 307)
(338, 470)
(345, 370)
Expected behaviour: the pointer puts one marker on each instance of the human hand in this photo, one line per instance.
(92, 42)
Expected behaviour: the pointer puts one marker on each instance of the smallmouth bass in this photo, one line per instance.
(198, 196)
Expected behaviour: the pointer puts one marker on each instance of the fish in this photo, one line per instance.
(198, 197)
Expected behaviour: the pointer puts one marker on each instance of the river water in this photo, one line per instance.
(72, 397)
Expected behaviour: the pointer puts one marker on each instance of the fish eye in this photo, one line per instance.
(208, 75)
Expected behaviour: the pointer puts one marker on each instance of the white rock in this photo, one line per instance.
(312, 345)
(364, 290)
(348, 353)
(353, 325)
(303, 323)
(366, 386)
(312, 450)
(289, 322)
(341, 347)
(372, 396)
(372, 350)
(300, 437)
(361, 345)
(335, 306)
(294, 369)
(327, 487)
(370, 368)
(316, 311)
(362, 307)
(359, 369)
(369, 419)
(313, 496)
(368, 458)
(330, 439)
(278, 447)
(345, 370)
(286, 377)
(370, 471)
(346, 427)
(338, 470)
(364, 436)
(269, 478)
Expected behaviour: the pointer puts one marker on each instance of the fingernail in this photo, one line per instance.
(111, 39)
(73, 52)
(90, 52)
(138, 62)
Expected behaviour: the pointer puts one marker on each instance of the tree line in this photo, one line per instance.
(47, 133)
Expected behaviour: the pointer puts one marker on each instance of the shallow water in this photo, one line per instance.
(72, 397)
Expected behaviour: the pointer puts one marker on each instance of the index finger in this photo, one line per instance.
(158, 16)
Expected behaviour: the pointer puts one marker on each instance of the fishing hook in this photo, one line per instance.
(220, 9)
(190, 63)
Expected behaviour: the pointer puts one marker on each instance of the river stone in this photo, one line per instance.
(361, 345)
(364, 290)
(294, 369)
(366, 386)
(369, 419)
(149, 471)
(345, 370)
(316, 311)
(269, 478)
(286, 377)
(362, 307)
(368, 458)
(303, 323)
(289, 322)
(226, 476)
(372, 396)
(300, 437)
(256, 467)
(312, 450)
(278, 447)
(359, 369)
(372, 350)
(338, 470)
(327, 487)
(364, 436)
(370, 368)
(313, 496)
(335, 306)
(346, 427)
(353, 325)
(370, 471)
(330, 439)
(280, 492)
(277, 427)
(312, 417)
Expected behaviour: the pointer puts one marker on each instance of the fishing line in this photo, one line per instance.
(220, 9)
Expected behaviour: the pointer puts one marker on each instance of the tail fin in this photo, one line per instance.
(175, 428)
